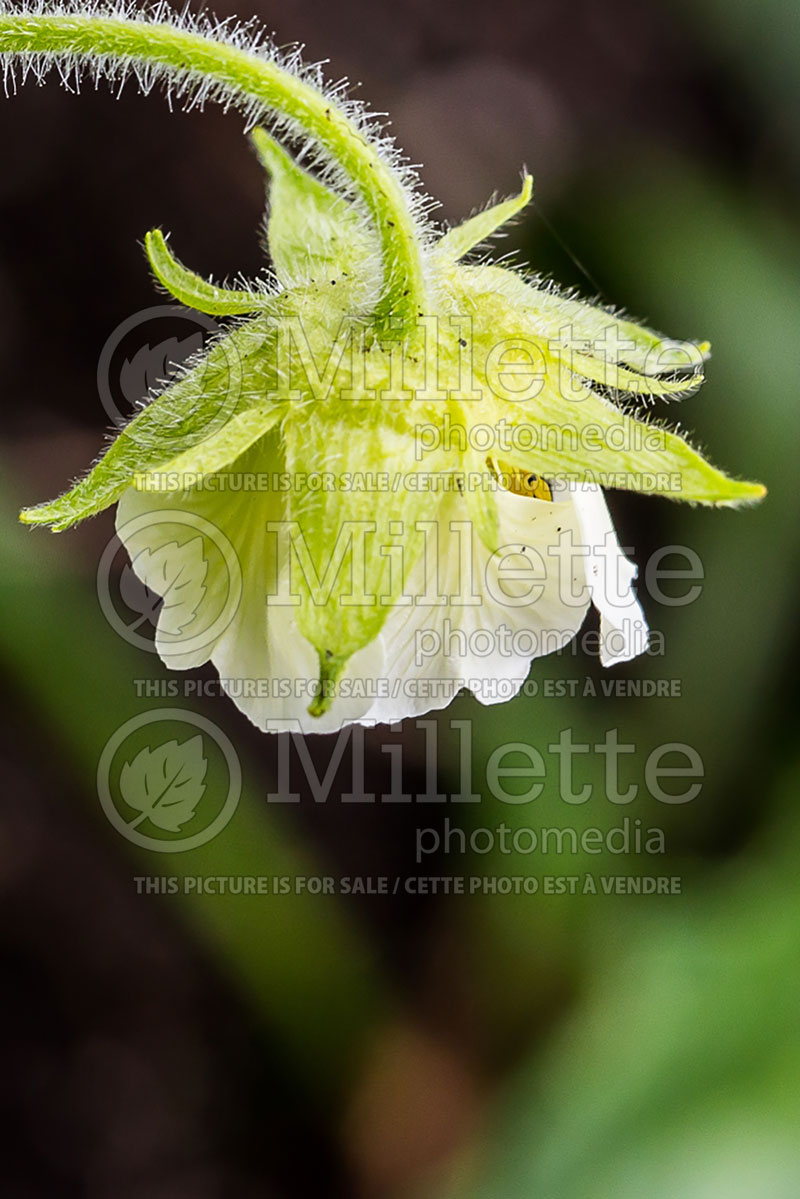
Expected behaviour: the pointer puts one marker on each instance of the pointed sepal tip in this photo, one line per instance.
(330, 670)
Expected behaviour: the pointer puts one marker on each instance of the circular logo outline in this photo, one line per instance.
(184, 716)
(203, 527)
(177, 312)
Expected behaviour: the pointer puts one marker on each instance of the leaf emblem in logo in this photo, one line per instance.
(152, 366)
(165, 784)
(172, 576)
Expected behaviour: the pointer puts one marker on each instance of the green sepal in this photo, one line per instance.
(471, 233)
(618, 378)
(234, 375)
(314, 235)
(331, 668)
(542, 308)
(192, 290)
(215, 452)
(361, 533)
(654, 461)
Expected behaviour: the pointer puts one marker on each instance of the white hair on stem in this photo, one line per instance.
(198, 59)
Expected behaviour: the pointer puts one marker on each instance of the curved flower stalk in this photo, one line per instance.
(384, 483)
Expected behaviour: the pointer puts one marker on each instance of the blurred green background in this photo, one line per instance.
(445, 1047)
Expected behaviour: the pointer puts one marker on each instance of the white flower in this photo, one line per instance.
(467, 617)
(353, 526)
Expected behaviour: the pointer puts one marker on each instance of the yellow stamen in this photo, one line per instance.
(521, 482)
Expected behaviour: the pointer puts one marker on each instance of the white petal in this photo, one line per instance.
(623, 629)
(431, 651)
(181, 551)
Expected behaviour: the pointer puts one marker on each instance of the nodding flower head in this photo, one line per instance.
(384, 482)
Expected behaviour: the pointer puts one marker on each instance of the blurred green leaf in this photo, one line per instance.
(677, 1074)
(299, 961)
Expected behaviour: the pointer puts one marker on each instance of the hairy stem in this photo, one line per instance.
(250, 78)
